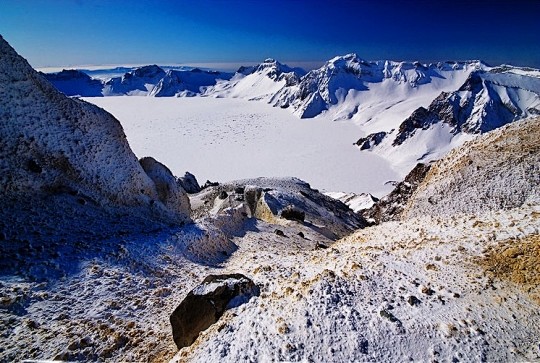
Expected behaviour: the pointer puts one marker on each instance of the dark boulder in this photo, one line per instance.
(206, 303)
(189, 183)
(209, 184)
(293, 213)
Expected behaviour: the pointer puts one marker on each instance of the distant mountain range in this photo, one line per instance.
(407, 111)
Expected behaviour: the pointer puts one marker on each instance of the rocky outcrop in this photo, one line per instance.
(189, 183)
(281, 201)
(51, 144)
(391, 206)
(170, 193)
(371, 140)
(206, 303)
(497, 171)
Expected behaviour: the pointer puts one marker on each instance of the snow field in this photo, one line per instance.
(230, 139)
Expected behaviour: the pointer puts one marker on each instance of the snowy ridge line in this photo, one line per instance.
(407, 112)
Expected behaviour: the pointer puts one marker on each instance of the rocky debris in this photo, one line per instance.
(170, 193)
(388, 315)
(498, 170)
(371, 140)
(390, 207)
(207, 302)
(517, 261)
(413, 300)
(292, 213)
(189, 183)
(278, 201)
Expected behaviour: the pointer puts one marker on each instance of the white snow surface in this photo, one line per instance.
(350, 302)
(223, 139)
(356, 202)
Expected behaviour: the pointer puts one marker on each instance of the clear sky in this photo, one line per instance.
(80, 32)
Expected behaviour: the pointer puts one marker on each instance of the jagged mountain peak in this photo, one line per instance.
(152, 70)
(274, 69)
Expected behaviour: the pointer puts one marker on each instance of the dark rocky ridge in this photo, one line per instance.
(390, 207)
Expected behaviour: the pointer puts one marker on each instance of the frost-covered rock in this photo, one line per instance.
(206, 303)
(272, 199)
(51, 144)
(500, 170)
(390, 207)
(170, 193)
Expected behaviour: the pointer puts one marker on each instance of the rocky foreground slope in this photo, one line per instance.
(87, 276)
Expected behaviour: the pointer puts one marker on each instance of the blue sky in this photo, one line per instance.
(71, 32)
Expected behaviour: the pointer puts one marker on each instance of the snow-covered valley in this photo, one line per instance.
(222, 139)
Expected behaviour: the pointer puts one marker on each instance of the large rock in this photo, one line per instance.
(170, 193)
(206, 303)
(189, 183)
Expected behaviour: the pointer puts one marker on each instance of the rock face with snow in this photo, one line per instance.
(500, 170)
(390, 207)
(189, 183)
(357, 202)
(485, 102)
(149, 80)
(187, 83)
(137, 82)
(207, 302)
(52, 144)
(170, 193)
(262, 82)
(329, 85)
(277, 200)
(489, 98)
